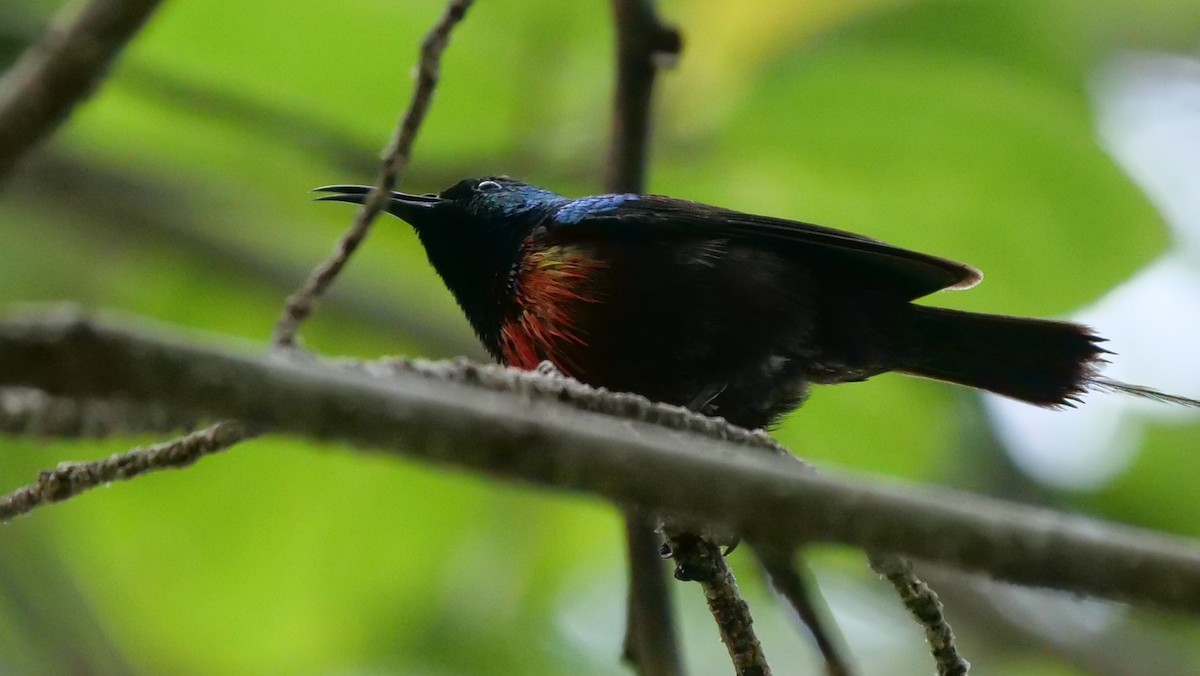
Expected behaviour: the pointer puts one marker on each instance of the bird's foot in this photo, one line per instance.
(692, 554)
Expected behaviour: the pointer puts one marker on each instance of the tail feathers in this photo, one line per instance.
(1046, 363)
(1042, 362)
(1105, 384)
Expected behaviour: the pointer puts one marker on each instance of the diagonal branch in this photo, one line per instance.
(923, 603)
(395, 160)
(72, 478)
(806, 600)
(557, 432)
(61, 69)
(699, 559)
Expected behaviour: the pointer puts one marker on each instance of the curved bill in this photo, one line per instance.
(400, 204)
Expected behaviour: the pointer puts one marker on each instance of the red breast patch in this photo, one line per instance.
(550, 288)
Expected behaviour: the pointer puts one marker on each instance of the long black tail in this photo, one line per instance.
(1042, 362)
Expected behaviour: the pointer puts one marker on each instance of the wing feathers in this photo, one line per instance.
(910, 273)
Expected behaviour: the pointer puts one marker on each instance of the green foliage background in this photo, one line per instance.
(179, 193)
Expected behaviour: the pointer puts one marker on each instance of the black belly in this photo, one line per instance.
(726, 328)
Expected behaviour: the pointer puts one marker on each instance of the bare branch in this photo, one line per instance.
(650, 644)
(806, 600)
(926, 609)
(60, 70)
(395, 160)
(644, 43)
(698, 559)
(558, 432)
(72, 478)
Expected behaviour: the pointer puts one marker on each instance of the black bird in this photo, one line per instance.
(727, 313)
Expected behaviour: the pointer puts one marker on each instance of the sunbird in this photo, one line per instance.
(726, 313)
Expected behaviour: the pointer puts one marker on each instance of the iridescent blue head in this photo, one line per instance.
(472, 233)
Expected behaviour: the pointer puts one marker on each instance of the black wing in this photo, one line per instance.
(909, 273)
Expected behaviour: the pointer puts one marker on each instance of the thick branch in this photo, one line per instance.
(60, 70)
(557, 432)
(395, 159)
(29, 412)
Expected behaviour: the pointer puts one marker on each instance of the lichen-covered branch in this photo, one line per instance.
(61, 69)
(699, 559)
(557, 432)
(72, 478)
(395, 159)
(926, 609)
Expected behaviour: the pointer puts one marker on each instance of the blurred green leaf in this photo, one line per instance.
(962, 129)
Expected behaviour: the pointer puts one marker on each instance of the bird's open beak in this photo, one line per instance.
(401, 205)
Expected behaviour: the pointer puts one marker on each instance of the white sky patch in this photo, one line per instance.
(1148, 109)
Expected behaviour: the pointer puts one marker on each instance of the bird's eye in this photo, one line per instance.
(487, 185)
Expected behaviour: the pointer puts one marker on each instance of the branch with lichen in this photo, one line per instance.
(70, 479)
(926, 608)
(696, 471)
(699, 559)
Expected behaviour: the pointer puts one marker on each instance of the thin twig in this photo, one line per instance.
(699, 559)
(72, 478)
(395, 159)
(557, 432)
(1025, 621)
(926, 609)
(805, 598)
(61, 69)
(650, 638)
(75, 189)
